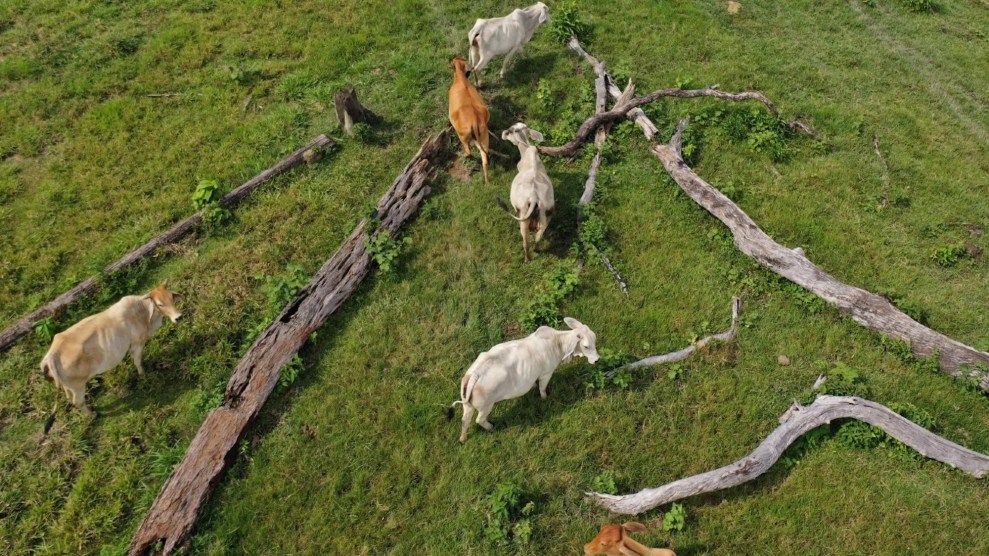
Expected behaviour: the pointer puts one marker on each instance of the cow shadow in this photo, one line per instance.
(565, 389)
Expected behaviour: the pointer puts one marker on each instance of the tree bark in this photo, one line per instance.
(350, 111)
(174, 512)
(795, 422)
(16, 331)
(866, 308)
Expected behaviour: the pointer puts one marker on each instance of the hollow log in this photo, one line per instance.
(17, 330)
(350, 111)
(795, 422)
(174, 512)
(866, 308)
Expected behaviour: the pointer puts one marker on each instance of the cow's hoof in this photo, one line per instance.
(463, 440)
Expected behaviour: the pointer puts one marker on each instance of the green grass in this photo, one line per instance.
(357, 449)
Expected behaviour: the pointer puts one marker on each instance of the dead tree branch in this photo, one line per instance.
(684, 353)
(866, 308)
(16, 331)
(795, 422)
(177, 505)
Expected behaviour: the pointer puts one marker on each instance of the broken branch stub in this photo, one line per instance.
(175, 509)
(350, 111)
(866, 308)
(16, 331)
(795, 422)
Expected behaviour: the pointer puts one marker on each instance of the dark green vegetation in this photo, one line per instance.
(353, 454)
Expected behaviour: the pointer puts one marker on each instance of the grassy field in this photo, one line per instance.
(356, 455)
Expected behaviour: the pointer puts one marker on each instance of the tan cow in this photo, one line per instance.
(613, 541)
(468, 113)
(99, 343)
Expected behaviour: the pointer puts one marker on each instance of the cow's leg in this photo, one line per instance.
(135, 352)
(524, 228)
(465, 139)
(543, 382)
(79, 400)
(482, 61)
(465, 422)
(482, 417)
(508, 57)
(543, 224)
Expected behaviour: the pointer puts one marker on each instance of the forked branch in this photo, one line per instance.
(795, 422)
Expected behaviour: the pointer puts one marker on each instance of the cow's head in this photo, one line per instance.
(520, 134)
(165, 300)
(543, 10)
(611, 540)
(582, 343)
(458, 64)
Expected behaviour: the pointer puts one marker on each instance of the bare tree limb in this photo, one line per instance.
(684, 353)
(16, 331)
(183, 495)
(795, 422)
(866, 308)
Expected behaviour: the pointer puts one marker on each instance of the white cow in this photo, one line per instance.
(99, 342)
(510, 369)
(503, 35)
(532, 190)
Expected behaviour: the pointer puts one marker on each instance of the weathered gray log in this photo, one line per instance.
(686, 352)
(174, 512)
(866, 308)
(350, 111)
(795, 422)
(16, 331)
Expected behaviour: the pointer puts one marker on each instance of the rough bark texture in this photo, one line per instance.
(795, 422)
(866, 308)
(16, 331)
(350, 111)
(684, 353)
(174, 511)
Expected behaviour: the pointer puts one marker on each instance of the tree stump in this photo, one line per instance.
(350, 111)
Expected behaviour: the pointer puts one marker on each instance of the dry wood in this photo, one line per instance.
(15, 331)
(884, 202)
(684, 353)
(866, 308)
(795, 422)
(174, 511)
(350, 111)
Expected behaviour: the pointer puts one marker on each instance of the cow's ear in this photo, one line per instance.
(504, 135)
(573, 323)
(536, 136)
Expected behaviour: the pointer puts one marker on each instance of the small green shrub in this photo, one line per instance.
(45, 328)
(281, 290)
(604, 483)
(675, 372)
(362, 133)
(921, 6)
(948, 256)
(675, 519)
(843, 381)
(206, 198)
(385, 250)
(565, 22)
(290, 372)
(509, 516)
(544, 310)
(810, 440)
(611, 369)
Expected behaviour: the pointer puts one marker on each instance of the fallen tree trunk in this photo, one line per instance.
(686, 352)
(795, 422)
(177, 505)
(866, 308)
(16, 331)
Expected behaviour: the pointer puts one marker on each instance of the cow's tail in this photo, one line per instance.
(533, 205)
(51, 367)
(474, 53)
(466, 388)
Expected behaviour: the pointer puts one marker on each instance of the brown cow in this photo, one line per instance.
(468, 114)
(99, 342)
(613, 541)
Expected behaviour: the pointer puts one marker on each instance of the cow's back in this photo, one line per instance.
(99, 342)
